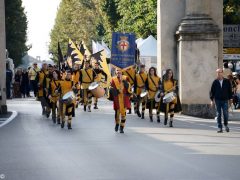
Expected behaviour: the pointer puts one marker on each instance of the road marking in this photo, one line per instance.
(14, 114)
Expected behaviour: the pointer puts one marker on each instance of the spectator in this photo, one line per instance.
(9, 77)
(17, 83)
(32, 76)
(25, 84)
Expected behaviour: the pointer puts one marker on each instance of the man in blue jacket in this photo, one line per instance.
(221, 95)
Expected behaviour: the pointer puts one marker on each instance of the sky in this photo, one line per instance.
(41, 15)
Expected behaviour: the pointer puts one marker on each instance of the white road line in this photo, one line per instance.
(14, 114)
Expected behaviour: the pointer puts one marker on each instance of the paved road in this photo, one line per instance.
(33, 148)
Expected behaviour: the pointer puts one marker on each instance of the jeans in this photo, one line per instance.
(222, 106)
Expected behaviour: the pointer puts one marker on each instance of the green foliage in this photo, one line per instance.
(231, 11)
(97, 19)
(16, 30)
(76, 19)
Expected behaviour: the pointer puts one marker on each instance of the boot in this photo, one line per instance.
(142, 115)
(69, 126)
(121, 129)
(151, 118)
(130, 111)
(62, 125)
(171, 122)
(58, 120)
(165, 121)
(95, 106)
(84, 107)
(116, 127)
(89, 108)
(158, 119)
(138, 113)
(54, 120)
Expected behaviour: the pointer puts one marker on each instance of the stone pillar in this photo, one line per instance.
(199, 45)
(170, 13)
(3, 106)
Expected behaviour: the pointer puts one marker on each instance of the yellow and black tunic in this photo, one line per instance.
(43, 81)
(130, 73)
(140, 82)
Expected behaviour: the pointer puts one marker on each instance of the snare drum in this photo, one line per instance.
(96, 90)
(68, 97)
(169, 97)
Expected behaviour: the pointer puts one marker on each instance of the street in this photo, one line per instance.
(32, 147)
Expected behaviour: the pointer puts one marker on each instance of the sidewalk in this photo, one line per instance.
(234, 115)
(6, 118)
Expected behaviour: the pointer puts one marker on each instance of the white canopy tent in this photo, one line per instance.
(148, 52)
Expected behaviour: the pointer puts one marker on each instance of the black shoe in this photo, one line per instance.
(54, 120)
(158, 119)
(116, 127)
(151, 118)
(58, 120)
(95, 107)
(85, 108)
(121, 129)
(62, 125)
(227, 129)
(69, 126)
(47, 114)
(138, 113)
(219, 130)
(165, 121)
(142, 115)
(130, 111)
(170, 123)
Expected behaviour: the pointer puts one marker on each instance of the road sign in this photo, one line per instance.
(231, 50)
(231, 56)
(231, 36)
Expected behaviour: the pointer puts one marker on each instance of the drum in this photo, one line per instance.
(96, 90)
(143, 94)
(68, 97)
(169, 97)
(157, 96)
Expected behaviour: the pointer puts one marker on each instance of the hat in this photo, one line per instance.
(142, 66)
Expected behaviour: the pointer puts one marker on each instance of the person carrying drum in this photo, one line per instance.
(120, 91)
(75, 79)
(42, 79)
(130, 73)
(53, 95)
(139, 88)
(98, 77)
(169, 84)
(67, 108)
(86, 78)
(153, 84)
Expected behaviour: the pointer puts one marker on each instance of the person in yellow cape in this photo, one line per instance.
(120, 90)
(87, 76)
(54, 94)
(98, 78)
(169, 84)
(152, 85)
(67, 109)
(140, 87)
(131, 74)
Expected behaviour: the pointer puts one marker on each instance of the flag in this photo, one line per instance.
(101, 58)
(108, 51)
(73, 54)
(60, 57)
(94, 47)
(83, 49)
(123, 50)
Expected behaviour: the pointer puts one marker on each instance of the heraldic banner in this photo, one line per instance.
(123, 50)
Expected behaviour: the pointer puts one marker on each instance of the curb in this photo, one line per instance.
(14, 114)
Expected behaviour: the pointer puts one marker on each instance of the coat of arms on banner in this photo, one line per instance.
(123, 44)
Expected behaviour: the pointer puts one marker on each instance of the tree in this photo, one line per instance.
(16, 30)
(76, 19)
(231, 12)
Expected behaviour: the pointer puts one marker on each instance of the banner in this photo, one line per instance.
(73, 54)
(123, 50)
(101, 58)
